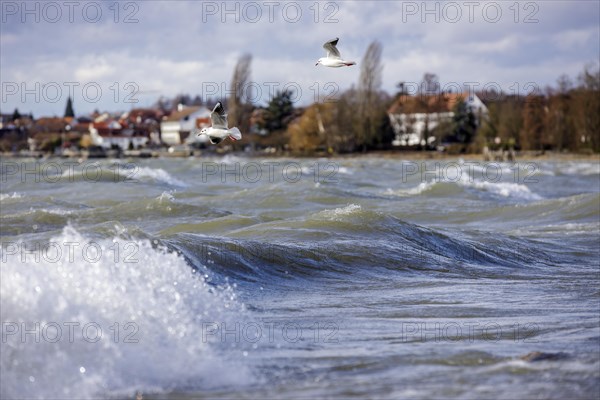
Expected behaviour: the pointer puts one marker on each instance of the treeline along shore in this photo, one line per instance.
(426, 116)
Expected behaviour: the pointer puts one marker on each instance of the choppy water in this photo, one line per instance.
(285, 278)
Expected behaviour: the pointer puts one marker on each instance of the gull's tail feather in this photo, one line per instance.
(235, 133)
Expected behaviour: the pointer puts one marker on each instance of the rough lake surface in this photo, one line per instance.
(312, 278)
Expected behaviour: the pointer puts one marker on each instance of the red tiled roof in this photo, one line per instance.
(422, 103)
(177, 115)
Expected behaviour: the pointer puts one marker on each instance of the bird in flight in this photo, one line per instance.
(219, 130)
(333, 58)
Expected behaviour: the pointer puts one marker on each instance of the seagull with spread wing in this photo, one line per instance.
(333, 58)
(219, 130)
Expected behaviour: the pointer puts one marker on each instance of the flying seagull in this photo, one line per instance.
(219, 130)
(333, 58)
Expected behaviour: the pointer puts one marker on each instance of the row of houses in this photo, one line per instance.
(133, 129)
(413, 119)
(177, 127)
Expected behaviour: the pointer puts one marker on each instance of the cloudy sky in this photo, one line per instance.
(109, 54)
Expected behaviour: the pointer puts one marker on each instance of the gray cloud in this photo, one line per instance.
(178, 46)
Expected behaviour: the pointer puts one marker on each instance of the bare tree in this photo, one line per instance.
(429, 86)
(369, 86)
(430, 83)
(587, 103)
(343, 138)
(564, 84)
(239, 107)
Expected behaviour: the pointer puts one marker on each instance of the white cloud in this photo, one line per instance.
(97, 68)
(574, 38)
(175, 48)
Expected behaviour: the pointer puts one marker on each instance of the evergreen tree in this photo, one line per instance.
(197, 101)
(163, 104)
(69, 109)
(385, 131)
(465, 123)
(183, 99)
(16, 114)
(278, 111)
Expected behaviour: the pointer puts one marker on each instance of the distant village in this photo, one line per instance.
(496, 124)
(173, 132)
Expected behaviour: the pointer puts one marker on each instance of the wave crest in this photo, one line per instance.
(147, 294)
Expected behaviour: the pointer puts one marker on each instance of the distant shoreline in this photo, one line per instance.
(527, 155)
(387, 154)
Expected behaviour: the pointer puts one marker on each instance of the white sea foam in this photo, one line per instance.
(53, 211)
(323, 170)
(157, 174)
(340, 212)
(510, 190)
(413, 191)
(566, 168)
(344, 170)
(307, 170)
(156, 300)
(479, 169)
(32, 210)
(6, 196)
(503, 189)
(166, 197)
(579, 168)
(230, 159)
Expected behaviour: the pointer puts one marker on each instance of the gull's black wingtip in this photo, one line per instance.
(218, 108)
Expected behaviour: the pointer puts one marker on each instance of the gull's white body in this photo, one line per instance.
(333, 59)
(219, 130)
(217, 135)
